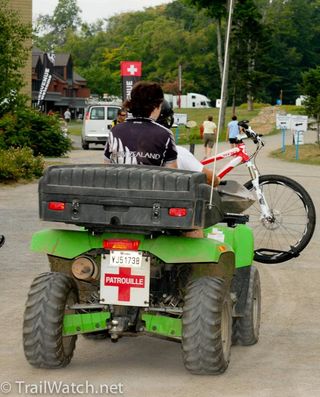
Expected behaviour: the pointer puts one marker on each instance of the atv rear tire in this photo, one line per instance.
(207, 326)
(246, 329)
(43, 341)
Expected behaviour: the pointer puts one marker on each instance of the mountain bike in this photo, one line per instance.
(283, 217)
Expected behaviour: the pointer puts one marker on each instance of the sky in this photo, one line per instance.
(95, 9)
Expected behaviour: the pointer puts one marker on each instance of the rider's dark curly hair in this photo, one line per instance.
(145, 97)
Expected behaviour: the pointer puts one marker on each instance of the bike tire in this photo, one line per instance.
(294, 219)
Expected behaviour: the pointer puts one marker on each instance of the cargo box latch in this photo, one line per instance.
(75, 209)
(156, 212)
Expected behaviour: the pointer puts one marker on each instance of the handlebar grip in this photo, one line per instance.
(244, 124)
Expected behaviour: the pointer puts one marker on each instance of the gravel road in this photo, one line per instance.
(284, 363)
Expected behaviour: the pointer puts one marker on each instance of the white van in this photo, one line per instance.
(97, 123)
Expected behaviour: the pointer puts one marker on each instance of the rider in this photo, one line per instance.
(139, 139)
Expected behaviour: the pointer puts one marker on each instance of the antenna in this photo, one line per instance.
(223, 93)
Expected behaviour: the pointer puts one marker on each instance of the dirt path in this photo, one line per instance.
(285, 362)
(264, 122)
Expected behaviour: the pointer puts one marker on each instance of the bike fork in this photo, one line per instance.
(265, 210)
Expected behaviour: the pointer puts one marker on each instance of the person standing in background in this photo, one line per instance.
(209, 133)
(67, 115)
(232, 131)
(121, 117)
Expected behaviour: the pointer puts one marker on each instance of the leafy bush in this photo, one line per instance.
(29, 128)
(19, 163)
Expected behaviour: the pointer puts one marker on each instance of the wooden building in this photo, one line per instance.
(67, 88)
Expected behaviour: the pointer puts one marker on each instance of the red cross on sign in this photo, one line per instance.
(124, 281)
(131, 68)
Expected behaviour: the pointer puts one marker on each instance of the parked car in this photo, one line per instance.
(97, 124)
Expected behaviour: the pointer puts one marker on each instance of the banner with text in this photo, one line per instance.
(48, 64)
(130, 73)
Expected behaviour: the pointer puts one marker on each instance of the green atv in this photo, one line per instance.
(128, 266)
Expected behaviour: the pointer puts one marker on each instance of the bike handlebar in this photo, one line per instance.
(249, 133)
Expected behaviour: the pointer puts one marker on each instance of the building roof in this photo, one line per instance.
(77, 77)
(62, 59)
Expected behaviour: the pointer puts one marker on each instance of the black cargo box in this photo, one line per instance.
(127, 197)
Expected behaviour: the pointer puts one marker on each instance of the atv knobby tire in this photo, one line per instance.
(44, 344)
(246, 329)
(207, 326)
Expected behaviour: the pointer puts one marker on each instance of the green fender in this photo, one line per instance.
(170, 249)
(240, 238)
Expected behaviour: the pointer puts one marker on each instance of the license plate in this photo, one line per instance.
(126, 258)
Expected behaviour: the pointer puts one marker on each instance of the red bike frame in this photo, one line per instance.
(240, 157)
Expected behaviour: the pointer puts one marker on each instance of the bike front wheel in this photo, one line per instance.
(291, 225)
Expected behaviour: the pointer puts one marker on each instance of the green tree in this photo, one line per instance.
(51, 31)
(295, 37)
(13, 55)
(219, 9)
(311, 89)
(249, 49)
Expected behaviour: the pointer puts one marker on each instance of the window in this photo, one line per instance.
(112, 113)
(97, 113)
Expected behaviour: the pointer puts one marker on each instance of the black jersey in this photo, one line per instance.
(140, 141)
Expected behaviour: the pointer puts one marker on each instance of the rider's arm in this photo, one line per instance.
(171, 164)
(170, 154)
(209, 175)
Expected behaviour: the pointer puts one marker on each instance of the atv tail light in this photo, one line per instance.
(177, 212)
(117, 244)
(56, 206)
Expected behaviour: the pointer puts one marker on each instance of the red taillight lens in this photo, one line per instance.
(56, 206)
(88, 116)
(119, 244)
(178, 212)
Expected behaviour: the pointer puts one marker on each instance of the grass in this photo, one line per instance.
(292, 109)
(74, 127)
(308, 154)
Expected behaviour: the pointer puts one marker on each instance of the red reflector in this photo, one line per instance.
(177, 211)
(117, 244)
(56, 206)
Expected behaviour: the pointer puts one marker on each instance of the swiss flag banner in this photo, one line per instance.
(130, 74)
(131, 68)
